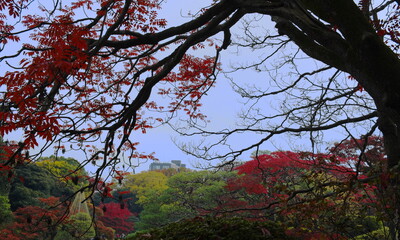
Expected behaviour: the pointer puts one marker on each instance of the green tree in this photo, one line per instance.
(6, 215)
(189, 194)
(32, 182)
(145, 183)
(66, 169)
(158, 212)
(79, 226)
(5, 207)
(201, 191)
(169, 172)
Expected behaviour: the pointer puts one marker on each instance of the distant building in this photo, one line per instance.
(164, 165)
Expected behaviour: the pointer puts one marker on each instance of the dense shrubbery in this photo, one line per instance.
(214, 228)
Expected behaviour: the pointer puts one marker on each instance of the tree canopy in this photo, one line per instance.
(32, 182)
(79, 76)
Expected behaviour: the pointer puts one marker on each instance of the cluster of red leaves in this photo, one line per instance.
(13, 9)
(301, 187)
(9, 152)
(188, 93)
(60, 54)
(102, 230)
(5, 30)
(33, 222)
(66, 84)
(103, 187)
(119, 176)
(117, 218)
(372, 149)
(390, 27)
(367, 154)
(280, 166)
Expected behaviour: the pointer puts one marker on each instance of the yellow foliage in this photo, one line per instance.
(66, 169)
(142, 184)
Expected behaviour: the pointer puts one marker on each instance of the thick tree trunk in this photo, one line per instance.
(389, 123)
(377, 69)
(359, 51)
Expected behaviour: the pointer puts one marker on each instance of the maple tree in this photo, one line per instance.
(74, 72)
(53, 220)
(311, 193)
(122, 196)
(88, 70)
(36, 222)
(117, 218)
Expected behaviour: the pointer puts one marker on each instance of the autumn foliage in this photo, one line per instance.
(316, 195)
(310, 196)
(33, 222)
(70, 85)
(117, 218)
